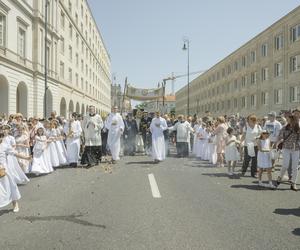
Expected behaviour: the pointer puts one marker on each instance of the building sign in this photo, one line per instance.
(144, 94)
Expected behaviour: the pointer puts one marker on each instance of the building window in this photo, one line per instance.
(243, 102)
(223, 72)
(21, 42)
(244, 81)
(264, 98)
(62, 70)
(295, 33)
(235, 103)
(293, 94)
(76, 19)
(62, 45)
(70, 75)
(278, 96)
(278, 42)
(81, 81)
(264, 74)
(62, 20)
(2, 30)
(235, 84)
(70, 31)
(82, 66)
(264, 50)
(278, 69)
(253, 56)
(253, 77)
(77, 40)
(236, 65)
(295, 63)
(77, 60)
(228, 69)
(70, 7)
(253, 100)
(244, 61)
(228, 104)
(70, 53)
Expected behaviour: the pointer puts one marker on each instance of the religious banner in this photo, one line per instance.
(144, 94)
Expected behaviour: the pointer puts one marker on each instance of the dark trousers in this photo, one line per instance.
(129, 145)
(91, 155)
(192, 141)
(182, 149)
(247, 160)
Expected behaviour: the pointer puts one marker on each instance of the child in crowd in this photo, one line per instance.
(9, 192)
(41, 163)
(212, 147)
(231, 152)
(264, 161)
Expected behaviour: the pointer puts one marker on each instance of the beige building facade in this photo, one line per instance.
(78, 62)
(261, 76)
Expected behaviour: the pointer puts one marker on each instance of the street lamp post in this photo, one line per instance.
(46, 61)
(186, 46)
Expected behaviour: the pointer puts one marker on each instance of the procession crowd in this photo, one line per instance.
(38, 146)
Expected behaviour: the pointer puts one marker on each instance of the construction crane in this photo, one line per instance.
(173, 78)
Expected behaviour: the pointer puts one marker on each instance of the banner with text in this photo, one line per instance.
(144, 94)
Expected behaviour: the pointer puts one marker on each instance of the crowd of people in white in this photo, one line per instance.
(37, 146)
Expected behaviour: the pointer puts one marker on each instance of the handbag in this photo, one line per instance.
(274, 153)
(2, 171)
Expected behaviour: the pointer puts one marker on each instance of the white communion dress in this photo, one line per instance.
(13, 167)
(8, 188)
(41, 163)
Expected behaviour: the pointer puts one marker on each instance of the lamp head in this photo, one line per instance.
(184, 47)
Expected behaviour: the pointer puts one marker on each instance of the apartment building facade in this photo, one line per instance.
(260, 76)
(78, 63)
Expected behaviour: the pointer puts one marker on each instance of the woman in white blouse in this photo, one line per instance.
(251, 132)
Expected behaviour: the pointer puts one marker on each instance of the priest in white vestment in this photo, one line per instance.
(92, 125)
(73, 130)
(115, 126)
(157, 127)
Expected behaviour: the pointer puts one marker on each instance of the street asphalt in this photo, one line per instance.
(200, 208)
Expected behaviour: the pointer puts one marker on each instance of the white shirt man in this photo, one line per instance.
(183, 129)
(157, 127)
(273, 127)
(92, 125)
(115, 126)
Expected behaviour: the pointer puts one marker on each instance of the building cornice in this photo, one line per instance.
(28, 11)
(22, 21)
(4, 7)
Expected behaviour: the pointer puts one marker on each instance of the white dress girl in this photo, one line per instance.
(231, 151)
(73, 131)
(13, 167)
(212, 150)
(9, 191)
(60, 148)
(264, 155)
(23, 150)
(195, 144)
(52, 149)
(200, 142)
(206, 150)
(40, 163)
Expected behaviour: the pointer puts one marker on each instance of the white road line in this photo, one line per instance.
(154, 187)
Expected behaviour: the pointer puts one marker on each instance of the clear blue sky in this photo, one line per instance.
(145, 37)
